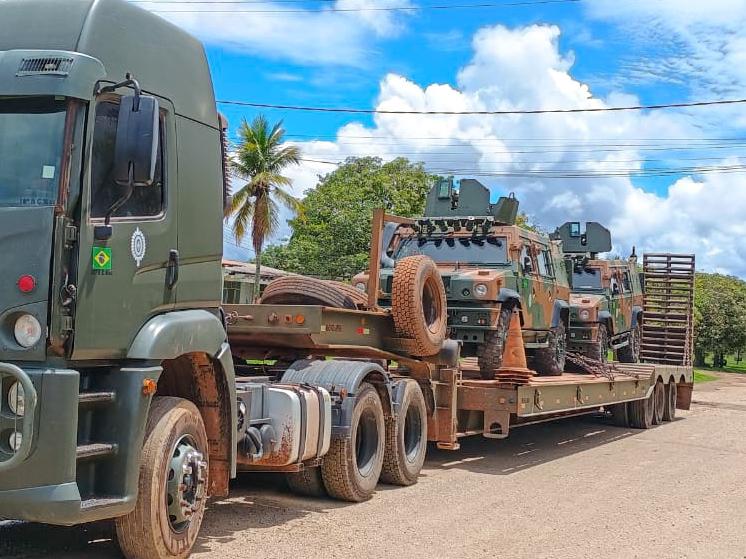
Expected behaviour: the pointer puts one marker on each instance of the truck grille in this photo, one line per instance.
(50, 65)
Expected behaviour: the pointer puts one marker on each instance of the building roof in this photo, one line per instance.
(237, 267)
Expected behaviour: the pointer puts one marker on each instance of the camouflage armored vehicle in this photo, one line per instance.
(490, 266)
(606, 301)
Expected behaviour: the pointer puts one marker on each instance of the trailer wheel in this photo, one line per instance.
(490, 353)
(550, 361)
(631, 352)
(300, 290)
(352, 466)
(307, 482)
(600, 350)
(620, 414)
(406, 439)
(641, 412)
(669, 412)
(418, 303)
(173, 484)
(659, 395)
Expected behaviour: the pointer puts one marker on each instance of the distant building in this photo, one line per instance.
(238, 280)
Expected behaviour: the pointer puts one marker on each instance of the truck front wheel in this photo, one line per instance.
(352, 466)
(173, 484)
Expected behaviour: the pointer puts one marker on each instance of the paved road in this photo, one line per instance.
(575, 489)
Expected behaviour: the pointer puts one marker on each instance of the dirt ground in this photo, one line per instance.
(575, 488)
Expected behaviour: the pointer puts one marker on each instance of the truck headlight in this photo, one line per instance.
(27, 330)
(585, 314)
(17, 399)
(480, 290)
(360, 286)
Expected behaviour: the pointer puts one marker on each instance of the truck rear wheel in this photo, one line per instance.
(406, 439)
(490, 353)
(352, 466)
(620, 414)
(172, 491)
(307, 482)
(418, 303)
(550, 361)
(659, 399)
(669, 412)
(631, 352)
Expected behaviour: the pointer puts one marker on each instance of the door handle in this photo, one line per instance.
(172, 271)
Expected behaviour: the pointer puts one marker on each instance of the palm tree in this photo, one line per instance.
(260, 160)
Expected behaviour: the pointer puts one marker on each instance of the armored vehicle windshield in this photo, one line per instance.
(586, 279)
(484, 251)
(31, 140)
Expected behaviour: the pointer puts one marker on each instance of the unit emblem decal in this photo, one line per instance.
(139, 246)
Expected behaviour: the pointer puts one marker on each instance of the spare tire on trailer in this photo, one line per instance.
(301, 290)
(418, 304)
(358, 297)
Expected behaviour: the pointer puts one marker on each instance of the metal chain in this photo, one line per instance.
(591, 366)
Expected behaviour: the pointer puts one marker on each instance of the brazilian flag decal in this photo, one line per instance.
(101, 259)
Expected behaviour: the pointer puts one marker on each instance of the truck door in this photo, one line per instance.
(122, 281)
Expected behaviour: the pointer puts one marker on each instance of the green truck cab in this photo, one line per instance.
(607, 299)
(107, 289)
(490, 266)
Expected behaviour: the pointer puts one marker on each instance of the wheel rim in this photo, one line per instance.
(431, 307)
(366, 442)
(412, 433)
(185, 490)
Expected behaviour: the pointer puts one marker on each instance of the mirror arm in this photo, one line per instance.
(129, 81)
(124, 198)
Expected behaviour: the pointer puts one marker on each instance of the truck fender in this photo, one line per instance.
(561, 312)
(171, 335)
(339, 376)
(636, 313)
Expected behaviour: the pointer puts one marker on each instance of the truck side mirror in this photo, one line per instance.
(138, 134)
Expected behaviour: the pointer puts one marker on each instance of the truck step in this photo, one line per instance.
(100, 502)
(87, 398)
(95, 450)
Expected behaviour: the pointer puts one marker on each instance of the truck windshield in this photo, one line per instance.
(465, 250)
(587, 278)
(31, 139)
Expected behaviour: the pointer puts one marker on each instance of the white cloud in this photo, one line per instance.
(523, 68)
(299, 35)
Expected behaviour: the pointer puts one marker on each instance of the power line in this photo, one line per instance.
(350, 110)
(371, 9)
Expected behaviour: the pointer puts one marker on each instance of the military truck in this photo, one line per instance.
(128, 392)
(490, 266)
(606, 301)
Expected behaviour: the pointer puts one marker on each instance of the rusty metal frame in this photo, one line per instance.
(380, 218)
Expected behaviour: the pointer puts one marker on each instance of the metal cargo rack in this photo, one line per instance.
(668, 309)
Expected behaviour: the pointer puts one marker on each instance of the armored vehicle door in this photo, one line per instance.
(546, 286)
(529, 286)
(619, 297)
(122, 280)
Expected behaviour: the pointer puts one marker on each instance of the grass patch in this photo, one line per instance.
(701, 375)
(732, 365)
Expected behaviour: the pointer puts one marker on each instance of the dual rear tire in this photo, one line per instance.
(378, 448)
(660, 406)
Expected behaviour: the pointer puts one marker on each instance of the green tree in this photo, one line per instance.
(719, 316)
(260, 160)
(332, 237)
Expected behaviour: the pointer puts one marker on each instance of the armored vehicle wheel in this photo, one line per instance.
(659, 396)
(490, 353)
(600, 350)
(550, 361)
(641, 412)
(631, 353)
(300, 290)
(418, 303)
(406, 439)
(669, 412)
(352, 466)
(307, 482)
(173, 485)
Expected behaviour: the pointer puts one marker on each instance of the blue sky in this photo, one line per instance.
(588, 53)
